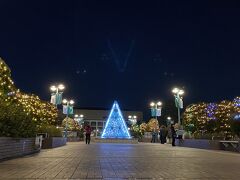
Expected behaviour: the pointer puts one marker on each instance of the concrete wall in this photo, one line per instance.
(53, 142)
(15, 147)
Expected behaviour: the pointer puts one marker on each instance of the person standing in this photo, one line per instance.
(88, 131)
(162, 134)
(173, 132)
(154, 134)
(165, 132)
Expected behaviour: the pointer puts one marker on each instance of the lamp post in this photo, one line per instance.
(178, 101)
(56, 96)
(79, 118)
(156, 109)
(132, 119)
(67, 109)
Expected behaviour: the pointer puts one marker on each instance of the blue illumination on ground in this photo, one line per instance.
(116, 126)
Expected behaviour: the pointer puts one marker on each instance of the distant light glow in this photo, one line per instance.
(116, 126)
(61, 87)
(159, 103)
(178, 91)
(53, 88)
(152, 104)
(71, 102)
(175, 90)
(181, 92)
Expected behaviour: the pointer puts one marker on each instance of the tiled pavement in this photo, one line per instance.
(123, 161)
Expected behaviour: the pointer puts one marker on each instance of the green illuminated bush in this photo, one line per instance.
(14, 122)
(51, 130)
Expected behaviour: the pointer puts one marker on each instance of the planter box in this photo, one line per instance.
(53, 142)
(199, 143)
(74, 139)
(16, 147)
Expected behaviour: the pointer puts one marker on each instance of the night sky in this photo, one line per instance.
(133, 52)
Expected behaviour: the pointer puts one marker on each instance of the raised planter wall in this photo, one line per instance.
(199, 143)
(53, 142)
(15, 147)
(147, 137)
(74, 139)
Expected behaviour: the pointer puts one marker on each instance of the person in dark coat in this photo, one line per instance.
(173, 132)
(163, 134)
(88, 131)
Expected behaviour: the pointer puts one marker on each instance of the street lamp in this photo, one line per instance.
(67, 109)
(156, 108)
(132, 119)
(56, 96)
(79, 118)
(169, 120)
(178, 101)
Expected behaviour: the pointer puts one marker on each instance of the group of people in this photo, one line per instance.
(164, 133)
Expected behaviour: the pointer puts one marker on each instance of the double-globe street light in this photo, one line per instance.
(79, 118)
(132, 119)
(178, 101)
(68, 110)
(56, 96)
(156, 109)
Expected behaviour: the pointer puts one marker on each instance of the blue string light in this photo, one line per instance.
(210, 110)
(116, 126)
(236, 102)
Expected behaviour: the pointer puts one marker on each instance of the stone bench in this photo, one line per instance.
(226, 145)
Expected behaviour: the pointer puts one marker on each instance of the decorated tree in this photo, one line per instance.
(14, 122)
(137, 132)
(195, 118)
(235, 118)
(211, 123)
(152, 124)
(143, 127)
(223, 116)
(219, 118)
(22, 114)
(71, 124)
(7, 86)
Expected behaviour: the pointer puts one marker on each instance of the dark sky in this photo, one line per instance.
(85, 44)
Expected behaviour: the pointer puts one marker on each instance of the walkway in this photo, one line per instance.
(123, 161)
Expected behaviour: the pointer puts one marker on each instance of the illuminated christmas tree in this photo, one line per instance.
(116, 126)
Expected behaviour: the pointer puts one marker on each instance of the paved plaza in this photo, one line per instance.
(77, 160)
